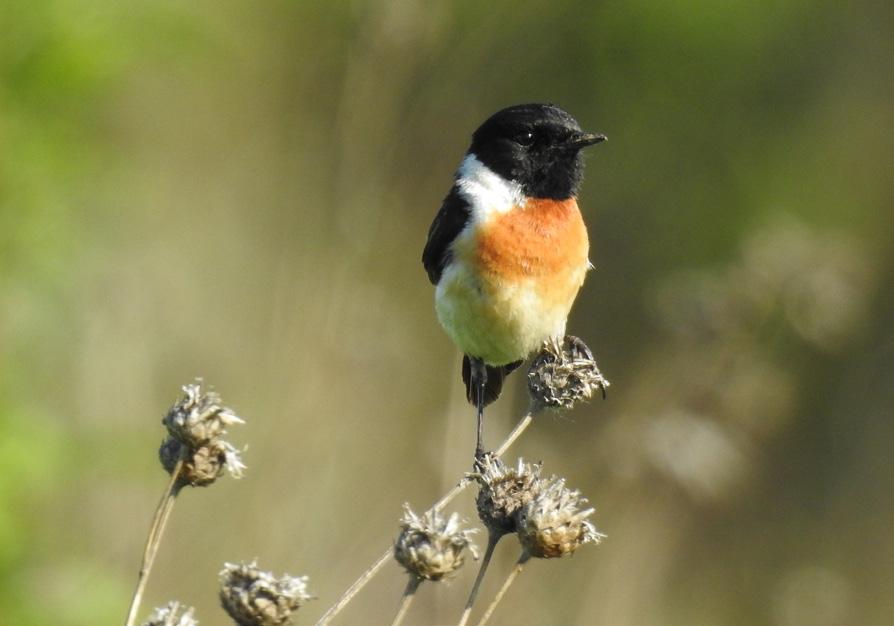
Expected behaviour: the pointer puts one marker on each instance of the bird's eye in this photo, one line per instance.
(525, 138)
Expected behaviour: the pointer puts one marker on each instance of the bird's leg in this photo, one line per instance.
(479, 380)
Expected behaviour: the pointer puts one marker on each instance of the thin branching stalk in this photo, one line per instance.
(519, 566)
(492, 539)
(354, 589)
(406, 599)
(373, 569)
(153, 541)
(520, 428)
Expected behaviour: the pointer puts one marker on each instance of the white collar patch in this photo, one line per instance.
(487, 192)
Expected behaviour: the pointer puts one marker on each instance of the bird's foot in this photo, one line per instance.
(481, 456)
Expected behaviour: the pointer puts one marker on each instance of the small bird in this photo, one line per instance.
(508, 250)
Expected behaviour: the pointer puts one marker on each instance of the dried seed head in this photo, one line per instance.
(195, 426)
(255, 598)
(198, 416)
(504, 490)
(204, 465)
(562, 375)
(431, 547)
(172, 614)
(553, 524)
(169, 453)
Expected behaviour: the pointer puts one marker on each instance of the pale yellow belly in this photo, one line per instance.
(500, 320)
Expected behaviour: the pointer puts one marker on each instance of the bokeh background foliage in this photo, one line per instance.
(241, 191)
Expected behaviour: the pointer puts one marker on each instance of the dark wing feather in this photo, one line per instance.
(449, 222)
(496, 374)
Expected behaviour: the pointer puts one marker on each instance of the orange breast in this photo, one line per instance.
(514, 280)
(544, 238)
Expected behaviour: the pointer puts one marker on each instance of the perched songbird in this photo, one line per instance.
(508, 251)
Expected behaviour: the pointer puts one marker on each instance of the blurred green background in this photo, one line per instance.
(241, 191)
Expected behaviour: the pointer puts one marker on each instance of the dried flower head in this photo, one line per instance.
(562, 375)
(172, 614)
(256, 598)
(553, 524)
(195, 426)
(202, 466)
(504, 490)
(198, 416)
(430, 546)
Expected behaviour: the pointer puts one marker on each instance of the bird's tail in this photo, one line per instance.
(494, 385)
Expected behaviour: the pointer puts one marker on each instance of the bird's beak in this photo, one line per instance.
(582, 140)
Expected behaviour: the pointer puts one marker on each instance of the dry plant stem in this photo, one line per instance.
(153, 541)
(409, 594)
(522, 425)
(373, 569)
(354, 589)
(492, 539)
(519, 566)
